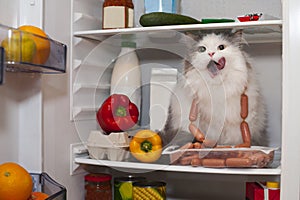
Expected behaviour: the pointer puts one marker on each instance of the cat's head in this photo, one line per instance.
(216, 52)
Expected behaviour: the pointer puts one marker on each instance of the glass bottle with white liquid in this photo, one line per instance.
(126, 75)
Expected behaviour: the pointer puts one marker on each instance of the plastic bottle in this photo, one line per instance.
(274, 190)
(126, 75)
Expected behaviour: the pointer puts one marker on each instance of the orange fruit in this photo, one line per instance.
(42, 43)
(38, 196)
(16, 183)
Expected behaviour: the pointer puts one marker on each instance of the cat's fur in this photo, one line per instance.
(218, 91)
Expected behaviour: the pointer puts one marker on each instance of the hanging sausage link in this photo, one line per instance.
(244, 106)
(199, 136)
(245, 131)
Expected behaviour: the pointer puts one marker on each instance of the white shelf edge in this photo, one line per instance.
(79, 110)
(76, 64)
(105, 32)
(76, 150)
(78, 16)
(81, 16)
(79, 86)
(177, 168)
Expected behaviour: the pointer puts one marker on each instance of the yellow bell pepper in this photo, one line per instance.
(146, 146)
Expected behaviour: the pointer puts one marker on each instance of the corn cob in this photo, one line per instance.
(145, 194)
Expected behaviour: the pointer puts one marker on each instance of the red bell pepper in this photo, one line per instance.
(117, 114)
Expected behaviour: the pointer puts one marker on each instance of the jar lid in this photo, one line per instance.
(145, 184)
(129, 179)
(97, 177)
(272, 185)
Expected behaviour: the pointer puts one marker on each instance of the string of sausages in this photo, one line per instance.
(244, 125)
(232, 159)
(199, 135)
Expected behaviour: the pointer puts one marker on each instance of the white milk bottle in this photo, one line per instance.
(126, 75)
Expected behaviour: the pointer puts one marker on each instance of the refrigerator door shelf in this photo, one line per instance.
(42, 182)
(27, 52)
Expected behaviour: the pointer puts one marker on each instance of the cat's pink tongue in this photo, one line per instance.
(221, 63)
(214, 67)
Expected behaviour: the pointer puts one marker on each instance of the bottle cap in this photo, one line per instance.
(272, 185)
(128, 44)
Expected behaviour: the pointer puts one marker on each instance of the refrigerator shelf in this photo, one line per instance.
(27, 52)
(79, 156)
(265, 31)
(44, 183)
(93, 87)
(177, 168)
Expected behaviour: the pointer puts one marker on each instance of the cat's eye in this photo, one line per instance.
(221, 47)
(202, 49)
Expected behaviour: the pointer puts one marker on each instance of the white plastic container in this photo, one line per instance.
(126, 75)
(162, 83)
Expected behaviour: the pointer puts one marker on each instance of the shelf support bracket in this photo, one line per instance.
(77, 150)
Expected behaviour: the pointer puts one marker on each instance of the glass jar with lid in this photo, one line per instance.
(123, 186)
(117, 14)
(98, 187)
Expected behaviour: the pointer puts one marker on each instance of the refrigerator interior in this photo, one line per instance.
(63, 106)
(93, 57)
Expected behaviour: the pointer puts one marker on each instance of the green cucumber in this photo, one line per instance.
(162, 19)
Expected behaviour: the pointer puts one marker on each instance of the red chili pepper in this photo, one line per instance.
(117, 113)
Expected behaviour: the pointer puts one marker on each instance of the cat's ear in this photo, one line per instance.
(238, 33)
(193, 34)
(238, 37)
(191, 38)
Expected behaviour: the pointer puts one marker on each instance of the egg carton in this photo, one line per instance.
(114, 146)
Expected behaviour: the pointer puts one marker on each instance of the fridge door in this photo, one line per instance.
(21, 96)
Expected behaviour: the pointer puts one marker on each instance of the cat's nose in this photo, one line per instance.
(211, 54)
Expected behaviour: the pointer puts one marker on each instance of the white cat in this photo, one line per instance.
(217, 71)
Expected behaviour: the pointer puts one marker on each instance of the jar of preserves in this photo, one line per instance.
(149, 190)
(98, 187)
(117, 14)
(123, 186)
